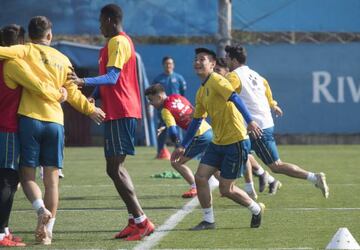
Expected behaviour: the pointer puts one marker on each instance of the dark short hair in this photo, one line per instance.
(236, 51)
(11, 34)
(165, 58)
(206, 51)
(38, 27)
(154, 89)
(112, 11)
(221, 62)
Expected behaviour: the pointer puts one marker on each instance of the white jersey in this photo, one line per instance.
(253, 95)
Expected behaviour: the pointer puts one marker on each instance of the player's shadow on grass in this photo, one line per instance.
(237, 228)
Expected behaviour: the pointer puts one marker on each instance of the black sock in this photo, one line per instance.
(8, 184)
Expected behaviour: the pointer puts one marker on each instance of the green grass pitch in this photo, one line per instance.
(90, 212)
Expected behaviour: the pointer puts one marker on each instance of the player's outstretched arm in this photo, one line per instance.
(82, 104)
(190, 133)
(110, 78)
(13, 52)
(19, 72)
(174, 135)
(170, 124)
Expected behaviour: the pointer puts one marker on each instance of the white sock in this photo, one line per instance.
(130, 216)
(260, 171)
(312, 178)
(193, 185)
(208, 214)
(249, 187)
(271, 179)
(254, 208)
(7, 231)
(50, 225)
(37, 204)
(140, 219)
(2, 236)
(41, 172)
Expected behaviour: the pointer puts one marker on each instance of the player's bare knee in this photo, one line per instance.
(275, 167)
(224, 190)
(51, 183)
(175, 165)
(200, 179)
(111, 171)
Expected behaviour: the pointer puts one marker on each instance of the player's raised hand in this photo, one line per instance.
(254, 130)
(64, 94)
(98, 115)
(177, 154)
(75, 79)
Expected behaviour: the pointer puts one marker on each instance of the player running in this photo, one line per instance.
(253, 88)
(176, 110)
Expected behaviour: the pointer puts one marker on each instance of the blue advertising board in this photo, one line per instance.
(316, 85)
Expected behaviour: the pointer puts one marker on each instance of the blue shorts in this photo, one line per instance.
(199, 144)
(120, 137)
(229, 159)
(41, 143)
(265, 147)
(9, 150)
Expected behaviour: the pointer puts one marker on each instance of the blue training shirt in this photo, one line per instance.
(173, 83)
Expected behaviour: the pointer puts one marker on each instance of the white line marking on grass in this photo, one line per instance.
(169, 224)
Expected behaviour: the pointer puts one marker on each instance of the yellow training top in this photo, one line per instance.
(119, 52)
(226, 121)
(17, 72)
(50, 66)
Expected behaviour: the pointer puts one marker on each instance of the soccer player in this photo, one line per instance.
(119, 93)
(176, 110)
(41, 130)
(11, 72)
(222, 69)
(221, 66)
(264, 177)
(173, 83)
(253, 89)
(230, 146)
